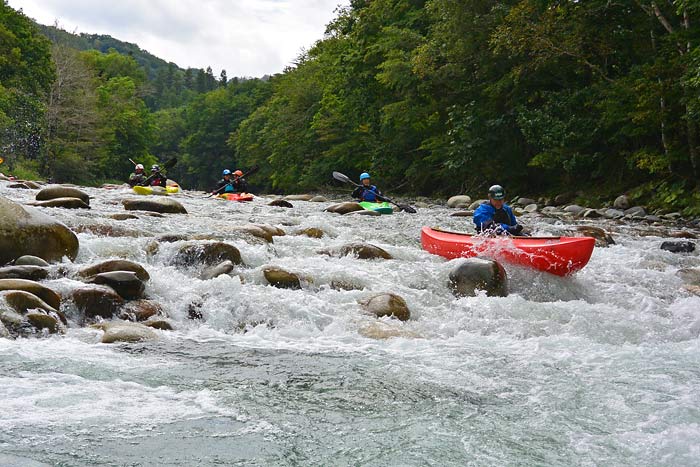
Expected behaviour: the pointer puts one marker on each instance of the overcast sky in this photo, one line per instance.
(244, 37)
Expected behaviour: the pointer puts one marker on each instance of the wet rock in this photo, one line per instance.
(313, 232)
(636, 211)
(34, 185)
(462, 214)
(282, 279)
(216, 271)
(21, 301)
(298, 198)
(107, 230)
(172, 238)
(689, 276)
(683, 234)
(280, 203)
(602, 238)
(531, 208)
(126, 283)
(4, 333)
(476, 204)
(29, 260)
(622, 202)
(364, 212)
(344, 208)
(574, 209)
(19, 186)
(159, 205)
(122, 216)
(459, 201)
(270, 229)
(97, 300)
(49, 296)
(678, 246)
(207, 253)
(694, 289)
(319, 199)
(364, 251)
(387, 304)
(162, 324)
(380, 330)
(474, 274)
(27, 231)
(141, 310)
(562, 199)
(115, 265)
(346, 285)
(32, 273)
(526, 201)
(124, 331)
(66, 203)
(254, 231)
(613, 214)
(194, 310)
(59, 191)
(43, 321)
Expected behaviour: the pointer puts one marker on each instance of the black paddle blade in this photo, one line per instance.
(407, 208)
(341, 178)
(169, 164)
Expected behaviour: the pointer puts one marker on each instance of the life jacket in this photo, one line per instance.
(158, 181)
(500, 216)
(369, 193)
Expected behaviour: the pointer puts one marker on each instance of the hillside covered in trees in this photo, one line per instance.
(433, 97)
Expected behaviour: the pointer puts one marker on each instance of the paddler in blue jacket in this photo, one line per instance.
(367, 192)
(495, 215)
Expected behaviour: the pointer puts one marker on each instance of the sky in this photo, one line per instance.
(244, 37)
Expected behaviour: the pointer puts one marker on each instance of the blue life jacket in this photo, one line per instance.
(486, 216)
(369, 194)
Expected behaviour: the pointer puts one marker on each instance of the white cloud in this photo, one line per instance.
(245, 37)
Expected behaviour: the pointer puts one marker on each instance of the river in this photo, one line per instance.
(601, 368)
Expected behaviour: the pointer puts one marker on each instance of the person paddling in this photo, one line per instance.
(226, 184)
(156, 178)
(367, 191)
(240, 185)
(138, 176)
(495, 216)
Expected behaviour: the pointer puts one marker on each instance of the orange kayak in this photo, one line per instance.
(236, 196)
(556, 255)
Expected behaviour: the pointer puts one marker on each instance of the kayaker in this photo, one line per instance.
(240, 185)
(367, 192)
(495, 215)
(156, 178)
(225, 185)
(138, 176)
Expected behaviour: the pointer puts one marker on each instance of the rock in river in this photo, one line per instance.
(344, 208)
(97, 300)
(364, 251)
(29, 260)
(67, 203)
(126, 283)
(280, 203)
(282, 279)
(160, 204)
(59, 191)
(123, 331)
(27, 231)
(207, 253)
(475, 274)
(32, 273)
(678, 246)
(115, 265)
(44, 293)
(387, 304)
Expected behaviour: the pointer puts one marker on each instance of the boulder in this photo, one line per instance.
(344, 208)
(141, 310)
(122, 216)
(44, 293)
(532, 207)
(562, 199)
(34, 185)
(32, 273)
(97, 300)
(27, 231)
(364, 251)
(67, 203)
(270, 229)
(254, 231)
(43, 321)
(4, 333)
(19, 186)
(298, 198)
(622, 202)
(160, 205)
(614, 214)
(459, 201)
(636, 211)
(602, 238)
(592, 214)
(387, 304)
(115, 265)
(59, 191)
(319, 199)
(678, 246)
(216, 271)
(21, 301)
(29, 260)
(280, 203)
(476, 204)
(282, 279)
(123, 331)
(313, 232)
(209, 254)
(574, 209)
(526, 201)
(365, 212)
(126, 283)
(162, 324)
(474, 274)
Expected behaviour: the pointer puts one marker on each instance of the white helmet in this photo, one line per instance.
(139, 166)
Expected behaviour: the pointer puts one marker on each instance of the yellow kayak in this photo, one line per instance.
(156, 190)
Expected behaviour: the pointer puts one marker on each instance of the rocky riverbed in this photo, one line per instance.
(187, 330)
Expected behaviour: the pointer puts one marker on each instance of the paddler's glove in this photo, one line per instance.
(516, 229)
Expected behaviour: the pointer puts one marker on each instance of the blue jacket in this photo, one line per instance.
(483, 216)
(366, 193)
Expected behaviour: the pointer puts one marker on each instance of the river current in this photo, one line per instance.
(602, 368)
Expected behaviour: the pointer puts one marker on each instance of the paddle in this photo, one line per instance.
(251, 171)
(169, 164)
(404, 207)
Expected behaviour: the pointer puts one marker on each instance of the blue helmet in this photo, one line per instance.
(364, 176)
(227, 172)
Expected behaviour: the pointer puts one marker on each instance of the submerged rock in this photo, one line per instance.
(474, 274)
(67, 203)
(49, 296)
(59, 191)
(32, 273)
(636, 211)
(27, 231)
(126, 283)
(364, 251)
(280, 203)
(298, 198)
(115, 265)
(215, 271)
(122, 216)
(678, 246)
(124, 331)
(689, 276)
(97, 300)
(387, 304)
(602, 238)
(141, 310)
(29, 260)
(43, 321)
(282, 279)
(312, 232)
(344, 208)
(208, 253)
(380, 330)
(159, 205)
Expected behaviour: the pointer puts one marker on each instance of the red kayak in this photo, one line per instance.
(236, 196)
(557, 255)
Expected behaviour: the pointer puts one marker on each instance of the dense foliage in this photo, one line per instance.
(431, 96)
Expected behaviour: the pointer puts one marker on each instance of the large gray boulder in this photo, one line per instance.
(459, 201)
(474, 274)
(622, 202)
(59, 191)
(66, 203)
(44, 293)
(126, 283)
(344, 208)
(27, 231)
(115, 265)
(161, 204)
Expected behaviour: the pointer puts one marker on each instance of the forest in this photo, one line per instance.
(433, 97)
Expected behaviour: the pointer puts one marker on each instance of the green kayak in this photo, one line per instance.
(383, 208)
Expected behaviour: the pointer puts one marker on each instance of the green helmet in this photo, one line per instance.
(497, 192)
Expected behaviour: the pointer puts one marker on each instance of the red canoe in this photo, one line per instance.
(557, 255)
(236, 196)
